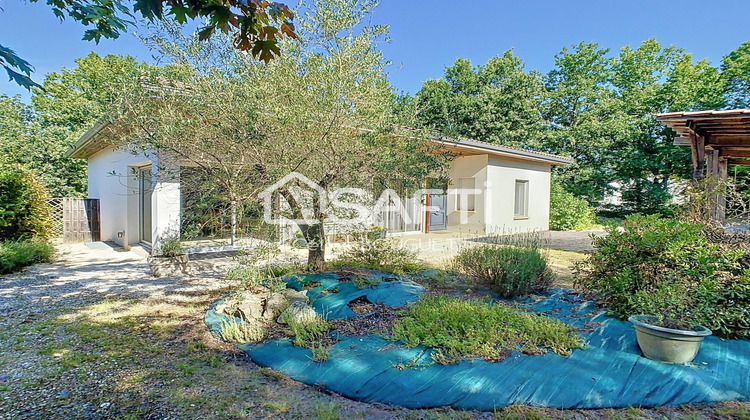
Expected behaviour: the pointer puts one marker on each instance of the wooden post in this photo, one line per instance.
(698, 147)
(712, 186)
(721, 198)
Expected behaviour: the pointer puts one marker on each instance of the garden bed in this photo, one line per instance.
(609, 372)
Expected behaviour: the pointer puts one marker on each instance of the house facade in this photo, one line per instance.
(492, 189)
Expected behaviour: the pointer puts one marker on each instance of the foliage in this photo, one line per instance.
(380, 254)
(240, 332)
(568, 212)
(511, 264)
(257, 267)
(584, 117)
(735, 70)
(497, 102)
(463, 329)
(26, 141)
(596, 106)
(310, 332)
(699, 197)
(319, 353)
(68, 103)
(170, 247)
(509, 271)
(655, 266)
(322, 110)
(18, 69)
(16, 254)
(651, 79)
(257, 26)
(24, 207)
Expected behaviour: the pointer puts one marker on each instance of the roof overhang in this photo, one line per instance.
(91, 142)
(466, 146)
(723, 137)
(95, 140)
(719, 129)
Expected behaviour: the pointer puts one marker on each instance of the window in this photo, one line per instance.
(521, 207)
(465, 197)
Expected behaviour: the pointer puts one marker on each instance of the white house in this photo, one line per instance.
(140, 202)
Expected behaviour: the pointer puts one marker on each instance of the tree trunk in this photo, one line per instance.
(233, 236)
(313, 233)
(316, 246)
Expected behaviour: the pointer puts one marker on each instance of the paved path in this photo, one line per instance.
(82, 274)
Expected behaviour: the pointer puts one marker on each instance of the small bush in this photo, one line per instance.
(170, 248)
(309, 334)
(14, 255)
(507, 270)
(380, 254)
(568, 212)
(319, 353)
(463, 329)
(668, 268)
(238, 331)
(24, 208)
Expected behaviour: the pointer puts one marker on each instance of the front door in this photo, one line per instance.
(437, 215)
(144, 204)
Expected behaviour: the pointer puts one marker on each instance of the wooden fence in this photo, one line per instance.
(76, 219)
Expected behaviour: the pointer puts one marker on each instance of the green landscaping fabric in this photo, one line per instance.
(609, 372)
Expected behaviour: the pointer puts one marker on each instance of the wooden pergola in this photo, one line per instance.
(717, 139)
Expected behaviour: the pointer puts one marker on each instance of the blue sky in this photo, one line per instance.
(428, 35)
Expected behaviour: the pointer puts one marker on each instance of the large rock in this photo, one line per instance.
(292, 295)
(260, 306)
(275, 304)
(298, 312)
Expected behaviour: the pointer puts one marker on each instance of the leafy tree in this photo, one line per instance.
(69, 103)
(497, 102)
(735, 68)
(649, 80)
(256, 25)
(585, 117)
(324, 110)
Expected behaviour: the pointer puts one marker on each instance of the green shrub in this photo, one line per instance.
(507, 270)
(380, 254)
(568, 212)
(309, 333)
(240, 332)
(14, 255)
(655, 266)
(171, 247)
(24, 208)
(462, 329)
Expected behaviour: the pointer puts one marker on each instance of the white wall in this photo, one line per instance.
(113, 180)
(502, 174)
(165, 200)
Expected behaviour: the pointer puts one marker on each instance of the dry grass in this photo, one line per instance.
(154, 358)
(561, 263)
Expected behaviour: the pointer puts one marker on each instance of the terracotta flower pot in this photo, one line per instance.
(666, 344)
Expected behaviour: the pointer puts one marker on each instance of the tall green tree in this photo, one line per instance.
(497, 102)
(735, 68)
(323, 109)
(585, 117)
(652, 79)
(70, 102)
